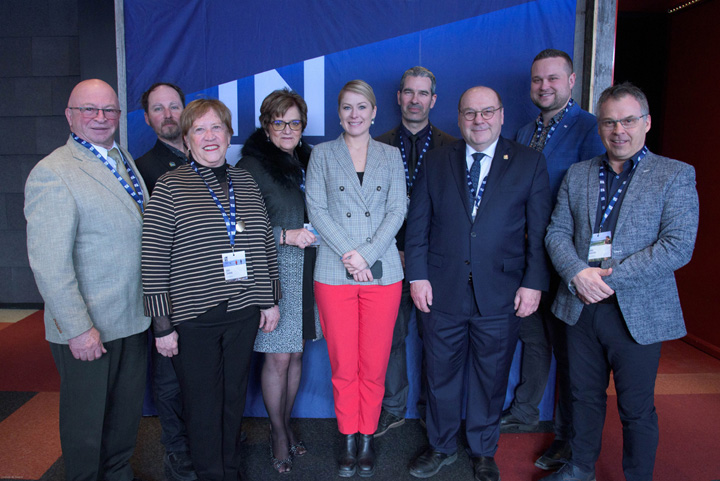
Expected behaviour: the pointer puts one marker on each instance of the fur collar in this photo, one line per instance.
(282, 166)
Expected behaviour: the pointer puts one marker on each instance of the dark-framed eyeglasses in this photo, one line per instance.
(278, 125)
(92, 112)
(627, 122)
(486, 114)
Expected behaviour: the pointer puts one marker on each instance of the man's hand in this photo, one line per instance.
(589, 285)
(526, 301)
(167, 345)
(87, 346)
(269, 319)
(354, 262)
(421, 292)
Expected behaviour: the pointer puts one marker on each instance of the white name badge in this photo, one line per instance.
(600, 247)
(235, 266)
(318, 239)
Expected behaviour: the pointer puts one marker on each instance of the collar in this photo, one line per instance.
(176, 152)
(628, 165)
(556, 118)
(489, 152)
(421, 133)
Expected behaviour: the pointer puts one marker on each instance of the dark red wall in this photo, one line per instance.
(691, 133)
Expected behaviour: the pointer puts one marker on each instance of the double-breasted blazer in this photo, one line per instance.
(84, 233)
(654, 236)
(350, 216)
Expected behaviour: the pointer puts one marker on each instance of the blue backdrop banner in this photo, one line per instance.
(241, 51)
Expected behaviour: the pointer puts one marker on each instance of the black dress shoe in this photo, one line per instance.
(178, 466)
(571, 473)
(509, 423)
(429, 463)
(485, 469)
(347, 463)
(557, 455)
(387, 422)
(365, 456)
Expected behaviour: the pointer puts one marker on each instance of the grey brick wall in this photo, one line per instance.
(39, 65)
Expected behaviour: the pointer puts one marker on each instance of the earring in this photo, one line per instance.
(372, 122)
(300, 143)
(267, 138)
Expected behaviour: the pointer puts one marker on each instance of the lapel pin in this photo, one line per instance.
(505, 156)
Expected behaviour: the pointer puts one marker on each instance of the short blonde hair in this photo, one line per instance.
(198, 108)
(360, 87)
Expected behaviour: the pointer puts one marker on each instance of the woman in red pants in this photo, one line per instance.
(357, 202)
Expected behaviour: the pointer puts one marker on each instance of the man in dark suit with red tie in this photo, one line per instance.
(476, 263)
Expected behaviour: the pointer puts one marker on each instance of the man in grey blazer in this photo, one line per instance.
(84, 216)
(415, 137)
(623, 223)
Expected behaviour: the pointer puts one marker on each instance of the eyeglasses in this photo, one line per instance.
(486, 114)
(92, 112)
(279, 125)
(627, 122)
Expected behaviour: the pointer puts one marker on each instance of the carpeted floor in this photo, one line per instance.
(687, 401)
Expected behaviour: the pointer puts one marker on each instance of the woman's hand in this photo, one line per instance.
(299, 237)
(354, 262)
(269, 319)
(167, 345)
(363, 276)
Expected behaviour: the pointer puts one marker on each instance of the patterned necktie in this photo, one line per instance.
(475, 175)
(114, 154)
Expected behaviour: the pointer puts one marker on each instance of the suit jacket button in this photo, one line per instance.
(342, 188)
(379, 188)
(472, 234)
(367, 214)
(369, 239)
(467, 262)
(348, 214)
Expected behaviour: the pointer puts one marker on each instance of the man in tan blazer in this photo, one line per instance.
(83, 205)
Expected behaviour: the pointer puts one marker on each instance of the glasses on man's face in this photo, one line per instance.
(92, 112)
(627, 122)
(279, 125)
(486, 114)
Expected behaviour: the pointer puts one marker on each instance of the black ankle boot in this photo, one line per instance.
(366, 456)
(347, 463)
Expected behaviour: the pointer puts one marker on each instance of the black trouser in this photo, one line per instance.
(212, 367)
(598, 343)
(168, 401)
(396, 378)
(100, 408)
(542, 335)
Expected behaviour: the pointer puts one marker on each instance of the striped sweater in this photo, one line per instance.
(184, 236)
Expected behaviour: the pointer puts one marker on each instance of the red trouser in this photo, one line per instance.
(358, 323)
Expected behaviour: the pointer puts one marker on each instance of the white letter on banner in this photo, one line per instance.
(227, 94)
(314, 78)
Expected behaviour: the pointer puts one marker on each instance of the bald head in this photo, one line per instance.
(98, 130)
(480, 117)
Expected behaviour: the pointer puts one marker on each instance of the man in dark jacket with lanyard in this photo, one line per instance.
(163, 103)
(414, 137)
(565, 134)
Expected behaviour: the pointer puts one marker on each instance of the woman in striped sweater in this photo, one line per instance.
(210, 278)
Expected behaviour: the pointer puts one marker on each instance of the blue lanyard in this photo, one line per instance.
(408, 180)
(618, 192)
(481, 190)
(229, 221)
(538, 131)
(137, 194)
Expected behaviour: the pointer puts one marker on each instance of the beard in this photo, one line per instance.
(170, 132)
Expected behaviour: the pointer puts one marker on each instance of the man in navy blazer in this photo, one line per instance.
(565, 134)
(475, 259)
(623, 223)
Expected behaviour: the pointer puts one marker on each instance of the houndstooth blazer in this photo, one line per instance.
(350, 216)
